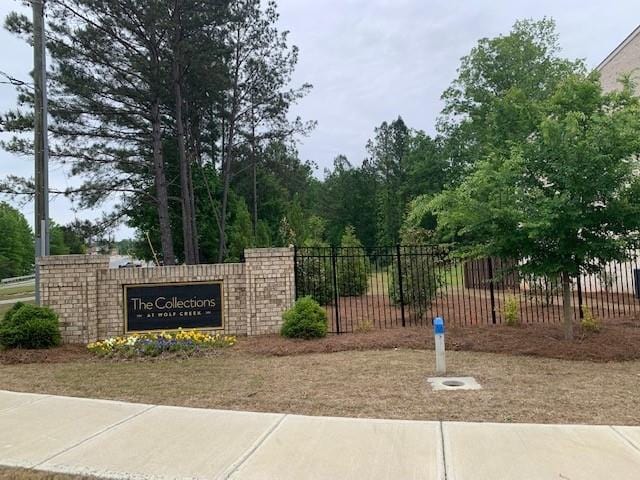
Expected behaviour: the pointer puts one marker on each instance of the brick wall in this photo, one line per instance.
(270, 287)
(68, 284)
(624, 60)
(89, 296)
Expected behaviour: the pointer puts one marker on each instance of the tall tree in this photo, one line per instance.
(494, 100)
(260, 65)
(388, 156)
(348, 198)
(16, 243)
(106, 85)
(566, 200)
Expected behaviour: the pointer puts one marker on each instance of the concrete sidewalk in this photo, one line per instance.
(126, 440)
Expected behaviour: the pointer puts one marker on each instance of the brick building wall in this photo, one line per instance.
(625, 59)
(89, 296)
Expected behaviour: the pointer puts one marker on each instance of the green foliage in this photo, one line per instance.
(589, 323)
(495, 101)
(352, 265)
(510, 311)
(56, 238)
(421, 274)
(11, 312)
(388, 151)
(315, 274)
(29, 326)
(114, 62)
(345, 198)
(16, 243)
(567, 200)
(126, 246)
(306, 319)
(240, 234)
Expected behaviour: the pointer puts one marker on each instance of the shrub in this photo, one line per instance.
(589, 322)
(364, 326)
(422, 271)
(510, 311)
(306, 319)
(314, 274)
(188, 343)
(352, 265)
(29, 326)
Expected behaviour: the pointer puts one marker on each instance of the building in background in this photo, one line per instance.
(625, 59)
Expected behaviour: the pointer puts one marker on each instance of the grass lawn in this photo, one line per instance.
(7, 306)
(17, 291)
(371, 383)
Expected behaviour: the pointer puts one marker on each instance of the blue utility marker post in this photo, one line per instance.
(438, 332)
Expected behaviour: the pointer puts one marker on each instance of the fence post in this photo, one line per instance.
(401, 288)
(579, 282)
(491, 290)
(336, 304)
(295, 272)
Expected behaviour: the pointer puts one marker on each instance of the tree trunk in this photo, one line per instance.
(228, 157)
(566, 306)
(162, 195)
(226, 174)
(254, 166)
(185, 191)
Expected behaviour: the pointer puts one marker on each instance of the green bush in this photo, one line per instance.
(422, 271)
(306, 319)
(28, 326)
(352, 265)
(314, 274)
(510, 311)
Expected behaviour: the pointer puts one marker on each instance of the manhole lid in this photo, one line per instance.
(453, 383)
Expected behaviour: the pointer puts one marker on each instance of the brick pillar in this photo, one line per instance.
(68, 285)
(270, 277)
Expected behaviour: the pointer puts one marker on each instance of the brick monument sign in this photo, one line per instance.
(96, 302)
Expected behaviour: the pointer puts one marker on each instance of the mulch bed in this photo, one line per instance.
(619, 340)
(63, 354)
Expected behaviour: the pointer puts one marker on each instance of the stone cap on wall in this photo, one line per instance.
(268, 252)
(73, 260)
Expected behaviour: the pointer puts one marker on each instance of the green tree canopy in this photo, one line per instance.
(16, 243)
(494, 101)
(566, 200)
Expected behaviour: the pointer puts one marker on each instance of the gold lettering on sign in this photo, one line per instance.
(164, 303)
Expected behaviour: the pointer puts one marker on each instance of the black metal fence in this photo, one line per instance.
(383, 287)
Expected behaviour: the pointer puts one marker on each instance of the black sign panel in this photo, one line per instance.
(170, 306)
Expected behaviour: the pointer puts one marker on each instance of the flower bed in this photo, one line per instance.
(153, 344)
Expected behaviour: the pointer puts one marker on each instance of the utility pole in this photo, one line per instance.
(41, 144)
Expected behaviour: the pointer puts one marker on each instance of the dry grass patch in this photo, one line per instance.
(7, 473)
(379, 384)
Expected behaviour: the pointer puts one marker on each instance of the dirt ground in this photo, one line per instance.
(372, 384)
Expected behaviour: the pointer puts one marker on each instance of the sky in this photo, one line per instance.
(371, 61)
